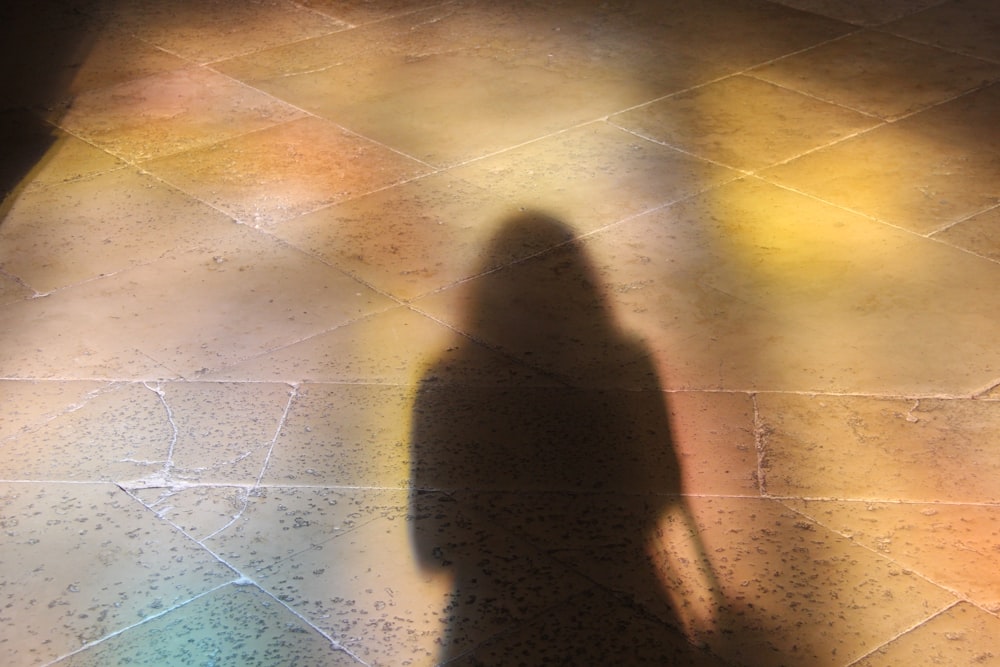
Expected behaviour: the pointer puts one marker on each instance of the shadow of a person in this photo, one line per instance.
(543, 498)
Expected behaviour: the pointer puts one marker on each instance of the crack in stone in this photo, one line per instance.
(995, 386)
(169, 463)
(67, 410)
(245, 502)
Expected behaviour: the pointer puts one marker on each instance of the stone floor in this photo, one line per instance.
(344, 332)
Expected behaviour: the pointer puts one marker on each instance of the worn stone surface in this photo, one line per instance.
(918, 450)
(923, 173)
(744, 123)
(91, 561)
(343, 332)
(235, 625)
(880, 74)
(961, 635)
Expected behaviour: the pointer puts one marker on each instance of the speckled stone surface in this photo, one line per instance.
(235, 625)
(82, 561)
(410, 333)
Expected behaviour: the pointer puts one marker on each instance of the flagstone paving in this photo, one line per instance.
(401, 332)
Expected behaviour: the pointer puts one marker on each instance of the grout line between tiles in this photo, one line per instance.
(929, 236)
(994, 385)
(846, 209)
(746, 71)
(882, 120)
(241, 580)
(308, 114)
(958, 595)
(169, 463)
(128, 486)
(382, 19)
(760, 433)
(145, 620)
(292, 395)
(959, 221)
(887, 29)
(885, 501)
(906, 631)
(110, 383)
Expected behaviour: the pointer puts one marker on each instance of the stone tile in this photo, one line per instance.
(729, 34)
(235, 625)
(223, 431)
(848, 447)
(119, 432)
(207, 31)
(341, 435)
(548, 414)
(446, 124)
(961, 635)
(652, 271)
(862, 12)
(952, 545)
(743, 123)
(135, 568)
(395, 346)
(28, 404)
(69, 159)
(592, 176)
(281, 172)
(966, 26)
(754, 286)
(44, 48)
(965, 121)
(755, 582)
(796, 592)
(229, 299)
(410, 239)
(879, 74)
(106, 58)
(38, 154)
(575, 441)
(534, 439)
(592, 628)
(975, 234)
(279, 522)
(140, 434)
(201, 511)
(517, 85)
(350, 56)
(357, 12)
(39, 342)
(420, 589)
(344, 435)
(171, 112)
(342, 558)
(922, 173)
(73, 232)
(713, 436)
(614, 540)
(630, 52)
(12, 289)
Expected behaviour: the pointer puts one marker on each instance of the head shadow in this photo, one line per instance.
(544, 481)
